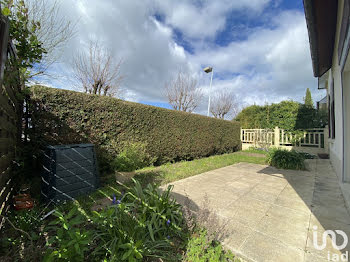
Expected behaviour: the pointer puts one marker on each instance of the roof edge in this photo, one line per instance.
(312, 32)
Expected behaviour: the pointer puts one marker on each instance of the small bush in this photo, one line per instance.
(134, 156)
(285, 159)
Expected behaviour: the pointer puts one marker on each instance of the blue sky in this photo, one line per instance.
(259, 48)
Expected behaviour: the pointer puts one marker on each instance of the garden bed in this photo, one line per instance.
(134, 224)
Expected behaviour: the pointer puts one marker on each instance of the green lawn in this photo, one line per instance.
(168, 173)
(172, 172)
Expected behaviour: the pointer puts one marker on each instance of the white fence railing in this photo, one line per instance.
(316, 138)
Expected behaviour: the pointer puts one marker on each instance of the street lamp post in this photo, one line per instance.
(208, 70)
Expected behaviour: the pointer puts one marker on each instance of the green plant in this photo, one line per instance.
(69, 242)
(285, 159)
(24, 33)
(65, 117)
(134, 156)
(117, 233)
(140, 224)
(201, 249)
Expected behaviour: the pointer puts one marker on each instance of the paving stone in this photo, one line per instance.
(293, 203)
(245, 215)
(289, 216)
(261, 247)
(335, 213)
(270, 212)
(291, 234)
(251, 203)
(238, 234)
(314, 258)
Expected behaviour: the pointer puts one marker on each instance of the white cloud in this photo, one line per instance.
(271, 64)
(202, 19)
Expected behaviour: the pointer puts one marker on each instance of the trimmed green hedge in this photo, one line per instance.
(67, 117)
(289, 115)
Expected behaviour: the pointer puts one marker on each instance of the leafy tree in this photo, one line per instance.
(23, 33)
(308, 99)
(284, 115)
(38, 32)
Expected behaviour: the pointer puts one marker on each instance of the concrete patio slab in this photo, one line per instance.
(272, 214)
(262, 247)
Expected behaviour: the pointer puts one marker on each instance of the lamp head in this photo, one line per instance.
(208, 69)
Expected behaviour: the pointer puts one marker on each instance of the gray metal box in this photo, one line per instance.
(68, 172)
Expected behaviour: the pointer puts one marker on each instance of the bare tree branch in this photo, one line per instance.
(96, 71)
(54, 31)
(183, 93)
(223, 104)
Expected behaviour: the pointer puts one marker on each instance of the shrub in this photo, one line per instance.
(285, 159)
(67, 117)
(134, 156)
(283, 115)
(289, 115)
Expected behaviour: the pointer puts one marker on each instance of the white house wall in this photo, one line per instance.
(336, 145)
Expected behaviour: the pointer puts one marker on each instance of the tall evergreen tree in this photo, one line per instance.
(308, 99)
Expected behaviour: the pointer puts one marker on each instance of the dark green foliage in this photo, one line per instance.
(289, 115)
(67, 117)
(308, 99)
(283, 115)
(285, 159)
